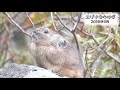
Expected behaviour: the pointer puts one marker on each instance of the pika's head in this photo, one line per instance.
(46, 36)
(42, 33)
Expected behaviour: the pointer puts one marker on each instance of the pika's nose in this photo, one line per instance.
(34, 33)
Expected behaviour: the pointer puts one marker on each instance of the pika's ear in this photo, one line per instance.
(62, 43)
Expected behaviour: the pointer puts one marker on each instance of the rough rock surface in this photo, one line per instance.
(26, 71)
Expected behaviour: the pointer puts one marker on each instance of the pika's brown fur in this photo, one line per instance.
(55, 53)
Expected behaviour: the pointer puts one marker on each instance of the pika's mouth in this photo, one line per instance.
(34, 36)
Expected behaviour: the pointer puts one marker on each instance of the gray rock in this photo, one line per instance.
(26, 71)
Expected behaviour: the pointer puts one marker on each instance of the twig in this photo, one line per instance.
(30, 20)
(4, 20)
(8, 16)
(73, 32)
(87, 68)
(6, 50)
(36, 23)
(105, 40)
(81, 29)
(84, 32)
(78, 48)
(62, 22)
(100, 56)
(101, 43)
(76, 24)
(116, 70)
(53, 21)
(5, 61)
(105, 50)
(101, 53)
(92, 36)
(92, 49)
(66, 24)
(93, 72)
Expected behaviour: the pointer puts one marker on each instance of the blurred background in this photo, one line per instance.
(14, 43)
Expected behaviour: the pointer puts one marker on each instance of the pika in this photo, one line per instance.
(53, 52)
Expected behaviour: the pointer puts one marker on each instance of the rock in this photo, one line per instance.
(26, 71)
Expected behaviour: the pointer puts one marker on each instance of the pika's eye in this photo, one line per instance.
(46, 31)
